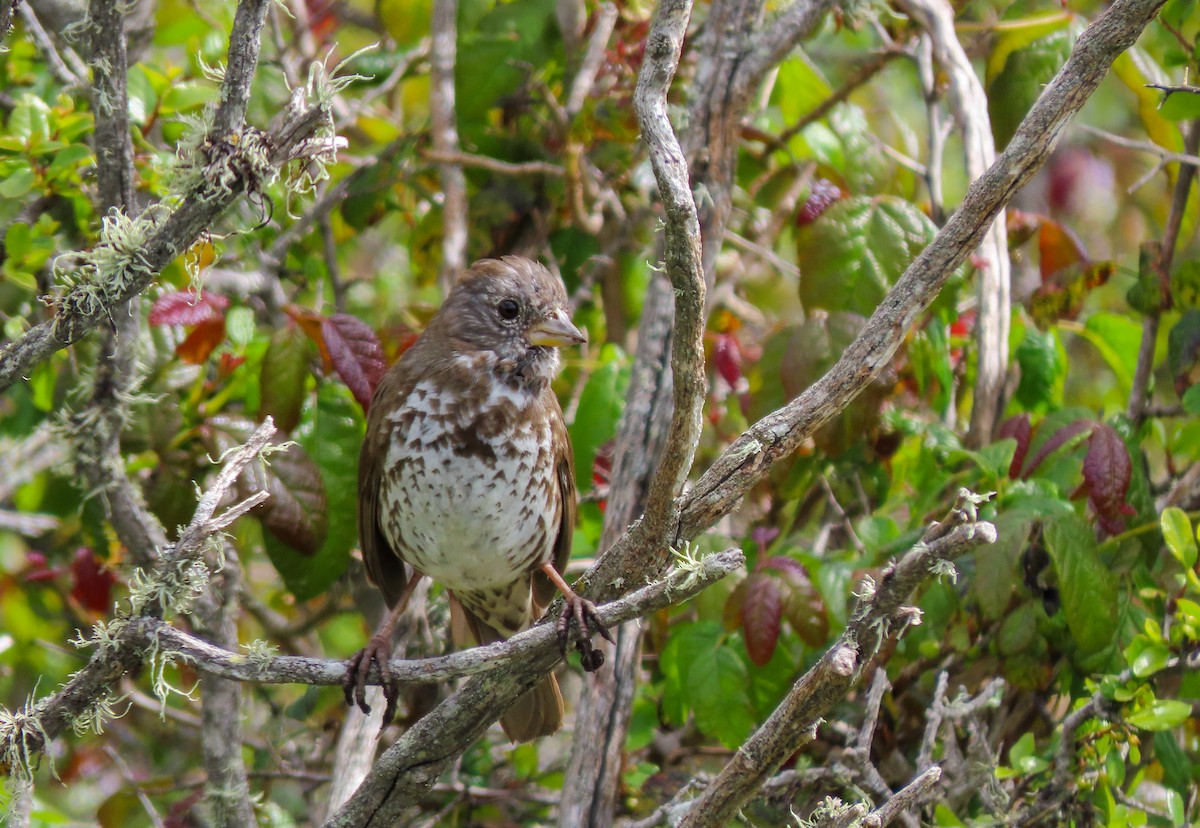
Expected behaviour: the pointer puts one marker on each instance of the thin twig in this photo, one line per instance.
(443, 54)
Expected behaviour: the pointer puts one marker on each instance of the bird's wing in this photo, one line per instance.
(543, 589)
(385, 566)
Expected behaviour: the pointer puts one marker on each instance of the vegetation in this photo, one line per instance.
(220, 222)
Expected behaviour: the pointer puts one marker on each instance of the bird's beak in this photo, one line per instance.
(556, 330)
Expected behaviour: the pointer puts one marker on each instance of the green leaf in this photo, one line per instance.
(599, 410)
(1180, 106)
(1026, 70)
(1135, 68)
(1085, 583)
(284, 381)
(1043, 369)
(687, 645)
(717, 688)
(1117, 337)
(332, 434)
(799, 87)
(1177, 532)
(1161, 714)
(1191, 400)
(1177, 768)
(1148, 657)
(857, 249)
(30, 120)
(240, 326)
(18, 182)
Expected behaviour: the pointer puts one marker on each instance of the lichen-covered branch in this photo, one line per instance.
(133, 251)
(879, 613)
(178, 577)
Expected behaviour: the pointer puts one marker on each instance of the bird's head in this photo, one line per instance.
(515, 312)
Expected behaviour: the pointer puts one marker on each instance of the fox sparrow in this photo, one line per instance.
(466, 476)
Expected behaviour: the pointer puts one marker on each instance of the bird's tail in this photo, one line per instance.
(537, 712)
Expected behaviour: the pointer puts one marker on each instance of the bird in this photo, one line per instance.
(466, 476)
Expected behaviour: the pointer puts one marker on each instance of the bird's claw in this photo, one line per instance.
(354, 685)
(583, 613)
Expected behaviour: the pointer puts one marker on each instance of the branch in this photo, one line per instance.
(879, 610)
(684, 267)
(779, 434)
(911, 795)
(244, 42)
(443, 54)
(969, 104)
(483, 162)
(408, 769)
(132, 252)
(178, 577)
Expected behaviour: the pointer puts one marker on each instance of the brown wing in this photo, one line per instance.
(385, 567)
(543, 589)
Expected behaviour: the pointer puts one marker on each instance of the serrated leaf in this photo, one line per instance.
(1116, 337)
(1161, 714)
(686, 646)
(852, 255)
(1177, 532)
(356, 355)
(762, 617)
(717, 687)
(1085, 583)
(187, 308)
(284, 379)
(1107, 469)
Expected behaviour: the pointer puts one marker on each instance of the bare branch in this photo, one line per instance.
(683, 265)
(483, 162)
(244, 42)
(969, 104)
(909, 796)
(73, 75)
(443, 54)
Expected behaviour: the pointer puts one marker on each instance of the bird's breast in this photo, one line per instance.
(469, 491)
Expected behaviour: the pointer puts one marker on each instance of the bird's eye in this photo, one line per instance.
(508, 309)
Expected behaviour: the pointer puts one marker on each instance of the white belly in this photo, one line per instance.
(464, 507)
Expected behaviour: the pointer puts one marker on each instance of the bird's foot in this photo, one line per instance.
(583, 613)
(377, 651)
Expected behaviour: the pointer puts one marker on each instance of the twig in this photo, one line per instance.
(593, 59)
(74, 75)
(148, 806)
(1163, 153)
(322, 672)
(483, 162)
(244, 42)
(684, 267)
(443, 54)
(1139, 393)
(860, 76)
(907, 797)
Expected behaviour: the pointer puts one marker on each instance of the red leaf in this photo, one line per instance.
(802, 604)
(1059, 439)
(312, 324)
(727, 359)
(762, 615)
(93, 583)
(731, 616)
(202, 341)
(186, 308)
(1020, 429)
(1107, 471)
(824, 195)
(37, 568)
(1058, 248)
(356, 355)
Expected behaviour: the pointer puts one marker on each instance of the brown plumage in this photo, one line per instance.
(466, 474)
